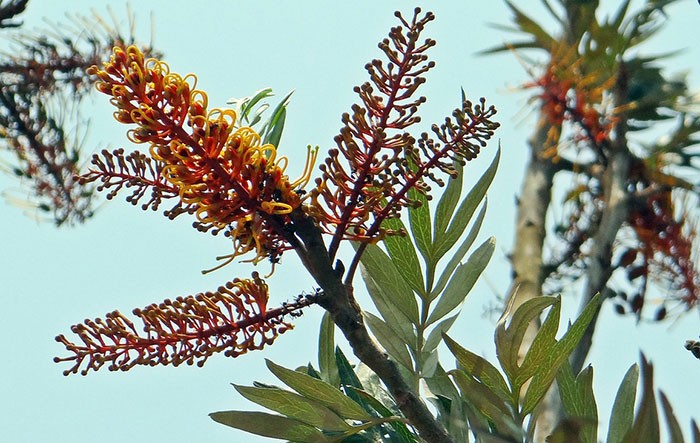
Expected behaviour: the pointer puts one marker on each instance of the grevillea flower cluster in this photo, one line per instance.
(232, 182)
(367, 178)
(233, 319)
(568, 94)
(664, 252)
(224, 174)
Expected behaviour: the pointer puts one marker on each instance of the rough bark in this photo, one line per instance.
(337, 298)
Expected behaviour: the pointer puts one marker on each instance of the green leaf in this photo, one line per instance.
(421, 225)
(695, 430)
(394, 318)
(448, 201)
(326, 351)
(622, 415)
(270, 425)
(479, 368)
(274, 134)
(546, 373)
(541, 346)
(441, 384)
(579, 402)
(320, 391)
(272, 130)
(675, 434)
(389, 340)
(508, 339)
(403, 254)
(347, 373)
(244, 106)
(294, 406)
(462, 281)
(401, 433)
(464, 213)
(646, 423)
(388, 278)
(488, 404)
(457, 257)
(529, 26)
(350, 381)
(435, 335)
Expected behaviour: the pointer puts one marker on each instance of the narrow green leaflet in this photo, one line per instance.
(320, 391)
(403, 254)
(441, 384)
(458, 255)
(380, 267)
(244, 107)
(579, 401)
(428, 363)
(389, 340)
(509, 338)
(462, 281)
(488, 404)
(435, 335)
(622, 415)
(479, 368)
(270, 425)
(675, 434)
(542, 345)
(421, 226)
(550, 365)
(347, 373)
(529, 26)
(401, 433)
(464, 213)
(295, 406)
(646, 423)
(326, 351)
(394, 318)
(271, 131)
(448, 201)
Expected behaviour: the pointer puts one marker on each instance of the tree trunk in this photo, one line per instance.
(530, 233)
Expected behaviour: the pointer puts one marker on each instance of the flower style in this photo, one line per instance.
(224, 174)
(233, 319)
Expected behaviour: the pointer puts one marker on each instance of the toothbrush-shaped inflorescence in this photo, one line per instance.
(224, 174)
(234, 319)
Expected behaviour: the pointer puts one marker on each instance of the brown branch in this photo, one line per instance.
(337, 298)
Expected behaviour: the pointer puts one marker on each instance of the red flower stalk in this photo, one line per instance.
(233, 319)
(223, 174)
(367, 178)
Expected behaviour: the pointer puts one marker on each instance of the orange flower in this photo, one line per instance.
(224, 173)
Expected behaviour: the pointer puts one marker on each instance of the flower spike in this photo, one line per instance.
(224, 174)
(367, 178)
(234, 319)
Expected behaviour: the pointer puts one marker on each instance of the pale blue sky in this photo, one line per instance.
(126, 258)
